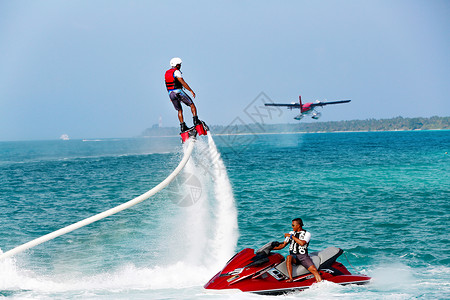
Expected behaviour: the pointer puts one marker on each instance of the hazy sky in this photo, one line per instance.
(94, 69)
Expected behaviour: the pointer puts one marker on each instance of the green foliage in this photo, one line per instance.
(397, 123)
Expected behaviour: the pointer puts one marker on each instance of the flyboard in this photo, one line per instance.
(200, 129)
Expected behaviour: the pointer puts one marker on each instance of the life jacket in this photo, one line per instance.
(172, 82)
(295, 248)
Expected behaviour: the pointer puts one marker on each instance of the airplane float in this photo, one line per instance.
(307, 108)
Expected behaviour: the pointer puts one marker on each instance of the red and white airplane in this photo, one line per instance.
(307, 108)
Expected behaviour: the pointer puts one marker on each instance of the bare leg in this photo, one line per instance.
(316, 274)
(180, 116)
(289, 267)
(193, 109)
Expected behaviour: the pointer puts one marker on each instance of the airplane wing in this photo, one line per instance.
(331, 102)
(291, 105)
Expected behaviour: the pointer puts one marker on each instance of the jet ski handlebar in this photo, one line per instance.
(267, 248)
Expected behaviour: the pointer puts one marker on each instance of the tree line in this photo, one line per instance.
(393, 124)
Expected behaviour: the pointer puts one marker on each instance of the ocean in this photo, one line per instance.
(383, 197)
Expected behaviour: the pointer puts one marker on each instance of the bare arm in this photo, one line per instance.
(186, 86)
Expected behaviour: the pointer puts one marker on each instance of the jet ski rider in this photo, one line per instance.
(298, 249)
(174, 84)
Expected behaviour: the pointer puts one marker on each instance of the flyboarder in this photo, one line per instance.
(175, 83)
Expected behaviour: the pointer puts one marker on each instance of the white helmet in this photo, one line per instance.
(175, 61)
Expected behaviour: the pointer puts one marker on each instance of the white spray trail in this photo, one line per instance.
(196, 217)
(210, 225)
(226, 229)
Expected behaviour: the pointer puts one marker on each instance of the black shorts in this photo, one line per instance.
(302, 259)
(178, 97)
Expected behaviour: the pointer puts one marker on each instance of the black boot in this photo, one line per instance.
(183, 127)
(196, 120)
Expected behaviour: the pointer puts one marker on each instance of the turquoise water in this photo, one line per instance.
(383, 197)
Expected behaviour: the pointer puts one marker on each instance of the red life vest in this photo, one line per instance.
(172, 82)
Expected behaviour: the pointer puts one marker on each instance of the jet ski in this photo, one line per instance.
(264, 272)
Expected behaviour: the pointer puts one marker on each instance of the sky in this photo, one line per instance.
(95, 69)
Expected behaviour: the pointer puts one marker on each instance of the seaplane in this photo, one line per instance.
(309, 109)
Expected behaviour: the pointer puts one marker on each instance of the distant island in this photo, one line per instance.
(393, 124)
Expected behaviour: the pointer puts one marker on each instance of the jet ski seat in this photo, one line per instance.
(321, 259)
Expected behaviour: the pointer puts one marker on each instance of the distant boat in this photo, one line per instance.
(64, 137)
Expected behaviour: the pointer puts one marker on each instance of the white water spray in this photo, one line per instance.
(226, 229)
(209, 233)
(197, 216)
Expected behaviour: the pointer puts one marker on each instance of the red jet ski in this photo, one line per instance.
(265, 273)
